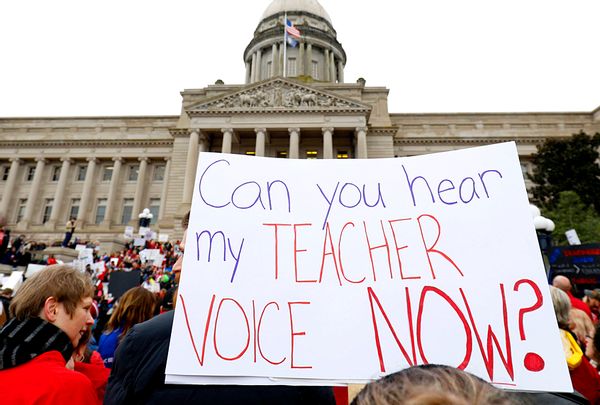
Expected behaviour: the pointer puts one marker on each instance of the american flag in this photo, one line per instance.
(291, 30)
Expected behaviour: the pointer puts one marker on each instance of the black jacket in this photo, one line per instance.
(138, 376)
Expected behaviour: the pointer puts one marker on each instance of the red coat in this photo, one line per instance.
(96, 372)
(45, 380)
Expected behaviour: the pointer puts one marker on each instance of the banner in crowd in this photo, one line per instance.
(580, 263)
(322, 271)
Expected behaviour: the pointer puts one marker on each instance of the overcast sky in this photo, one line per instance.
(130, 57)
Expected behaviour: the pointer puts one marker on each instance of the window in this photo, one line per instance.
(133, 172)
(154, 209)
(291, 67)
(55, 173)
(312, 154)
(100, 210)
(81, 172)
(159, 173)
(74, 211)
(5, 172)
(30, 173)
(342, 154)
(47, 210)
(21, 209)
(107, 173)
(282, 154)
(127, 211)
(315, 70)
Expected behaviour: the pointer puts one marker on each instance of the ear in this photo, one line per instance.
(50, 310)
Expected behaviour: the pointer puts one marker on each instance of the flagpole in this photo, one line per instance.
(285, 44)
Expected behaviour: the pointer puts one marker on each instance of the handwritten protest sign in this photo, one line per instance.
(321, 271)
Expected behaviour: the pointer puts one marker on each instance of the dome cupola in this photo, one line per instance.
(315, 56)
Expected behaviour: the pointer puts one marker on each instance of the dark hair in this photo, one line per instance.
(185, 221)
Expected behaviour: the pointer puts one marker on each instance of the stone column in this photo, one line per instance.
(294, 152)
(327, 143)
(112, 191)
(86, 195)
(361, 142)
(274, 61)
(258, 65)
(139, 187)
(59, 194)
(248, 72)
(227, 140)
(332, 67)
(326, 67)
(33, 192)
(308, 65)
(261, 134)
(253, 69)
(165, 189)
(9, 187)
(340, 71)
(301, 59)
(190, 168)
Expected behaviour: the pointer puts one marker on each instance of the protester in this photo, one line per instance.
(51, 313)
(138, 374)
(592, 299)
(69, 231)
(135, 306)
(584, 377)
(564, 284)
(51, 260)
(89, 363)
(432, 385)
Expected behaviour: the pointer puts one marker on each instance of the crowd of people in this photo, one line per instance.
(63, 330)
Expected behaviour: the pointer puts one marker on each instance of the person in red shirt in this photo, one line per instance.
(563, 283)
(51, 312)
(51, 260)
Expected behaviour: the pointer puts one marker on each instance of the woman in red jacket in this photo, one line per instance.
(51, 313)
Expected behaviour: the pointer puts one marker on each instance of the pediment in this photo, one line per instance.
(276, 96)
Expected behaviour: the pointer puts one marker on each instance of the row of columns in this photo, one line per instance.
(198, 143)
(86, 195)
(333, 69)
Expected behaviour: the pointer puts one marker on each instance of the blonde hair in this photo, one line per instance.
(135, 306)
(66, 284)
(432, 385)
(562, 306)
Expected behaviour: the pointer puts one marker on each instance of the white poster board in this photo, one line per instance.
(33, 268)
(13, 281)
(128, 232)
(347, 270)
(163, 237)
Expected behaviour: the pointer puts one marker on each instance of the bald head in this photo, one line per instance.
(561, 282)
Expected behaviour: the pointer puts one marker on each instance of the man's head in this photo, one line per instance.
(562, 283)
(592, 299)
(60, 295)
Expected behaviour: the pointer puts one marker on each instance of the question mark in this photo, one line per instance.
(533, 361)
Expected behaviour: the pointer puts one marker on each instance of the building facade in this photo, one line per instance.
(105, 170)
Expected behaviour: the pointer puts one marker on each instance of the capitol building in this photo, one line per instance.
(294, 104)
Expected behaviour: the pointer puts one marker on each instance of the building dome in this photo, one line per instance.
(314, 55)
(308, 6)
